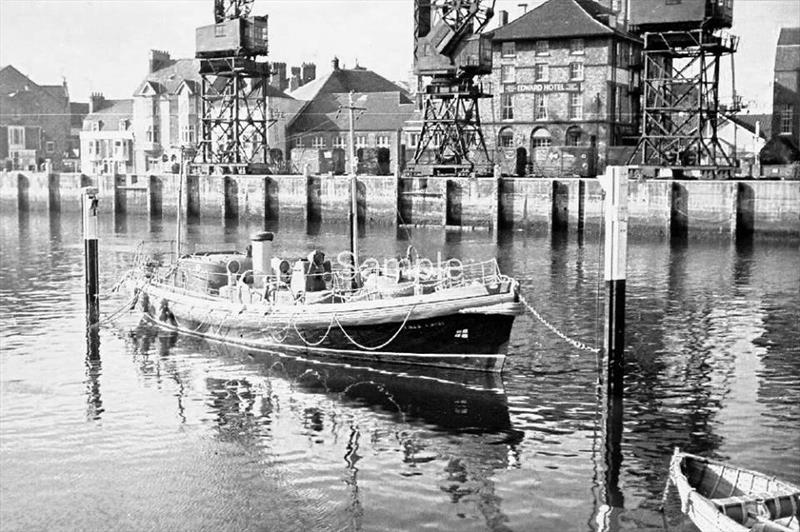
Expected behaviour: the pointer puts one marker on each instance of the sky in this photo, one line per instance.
(102, 45)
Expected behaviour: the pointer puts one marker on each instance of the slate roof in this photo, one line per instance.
(559, 19)
(787, 56)
(77, 113)
(789, 37)
(384, 111)
(13, 83)
(748, 122)
(111, 113)
(343, 80)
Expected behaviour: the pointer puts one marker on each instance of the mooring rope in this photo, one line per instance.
(384, 344)
(574, 343)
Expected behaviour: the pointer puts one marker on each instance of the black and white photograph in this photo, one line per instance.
(400, 265)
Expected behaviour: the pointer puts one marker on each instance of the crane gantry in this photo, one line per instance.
(450, 51)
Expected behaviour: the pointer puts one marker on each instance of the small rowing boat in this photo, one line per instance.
(722, 498)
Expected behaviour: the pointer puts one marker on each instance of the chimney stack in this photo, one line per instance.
(278, 77)
(309, 72)
(158, 60)
(503, 17)
(96, 102)
(335, 63)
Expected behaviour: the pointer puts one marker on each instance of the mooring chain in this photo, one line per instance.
(575, 343)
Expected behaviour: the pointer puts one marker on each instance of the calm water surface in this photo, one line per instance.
(173, 433)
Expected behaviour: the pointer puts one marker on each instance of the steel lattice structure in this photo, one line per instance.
(234, 112)
(234, 115)
(680, 105)
(451, 125)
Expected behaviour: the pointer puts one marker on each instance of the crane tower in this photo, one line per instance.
(450, 50)
(684, 43)
(233, 114)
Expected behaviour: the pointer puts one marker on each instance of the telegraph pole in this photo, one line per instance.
(351, 108)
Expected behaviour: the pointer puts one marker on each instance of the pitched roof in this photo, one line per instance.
(383, 111)
(748, 122)
(558, 18)
(111, 113)
(166, 80)
(56, 91)
(343, 80)
(14, 82)
(77, 113)
(789, 37)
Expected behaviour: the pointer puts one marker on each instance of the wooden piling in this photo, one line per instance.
(89, 203)
(615, 186)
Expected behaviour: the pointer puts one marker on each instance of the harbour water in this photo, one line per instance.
(167, 432)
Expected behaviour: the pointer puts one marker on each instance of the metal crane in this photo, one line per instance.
(231, 9)
(450, 50)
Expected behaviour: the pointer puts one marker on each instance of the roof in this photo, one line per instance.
(559, 18)
(383, 111)
(166, 80)
(111, 113)
(787, 55)
(343, 80)
(13, 83)
(789, 37)
(748, 122)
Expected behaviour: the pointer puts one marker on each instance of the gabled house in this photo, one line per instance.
(321, 127)
(34, 122)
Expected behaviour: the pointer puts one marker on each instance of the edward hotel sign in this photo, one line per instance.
(574, 86)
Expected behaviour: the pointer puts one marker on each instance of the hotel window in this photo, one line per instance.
(540, 106)
(542, 72)
(318, 142)
(413, 139)
(576, 47)
(542, 48)
(124, 125)
(49, 146)
(506, 106)
(383, 141)
(787, 118)
(187, 134)
(16, 137)
(615, 5)
(509, 49)
(573, 136)
(298, 142)
(575, 106)
(339, 142)
(506, 138)
(576, 71)
(508, 74)
(97, 125)
(119, 152)
(361, 141)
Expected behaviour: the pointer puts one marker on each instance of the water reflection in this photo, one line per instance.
(457, 419)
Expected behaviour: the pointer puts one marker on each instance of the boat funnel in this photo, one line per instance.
(262, 257)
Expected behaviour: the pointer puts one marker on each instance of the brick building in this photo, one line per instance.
(107, 137)
(784, 147)
(34, 121)
(320, 130)
(565, 83)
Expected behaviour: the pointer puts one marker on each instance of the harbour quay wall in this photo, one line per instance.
(666, 208)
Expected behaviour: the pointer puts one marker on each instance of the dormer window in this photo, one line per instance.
(97, 125)
(542, 48)
(576, 47)
(509, 49)
(124, 124)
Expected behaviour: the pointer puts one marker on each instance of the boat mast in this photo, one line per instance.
(180, 208)
(353, 187)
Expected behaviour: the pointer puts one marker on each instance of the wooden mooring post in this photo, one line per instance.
(615, 186)
(89, 203)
